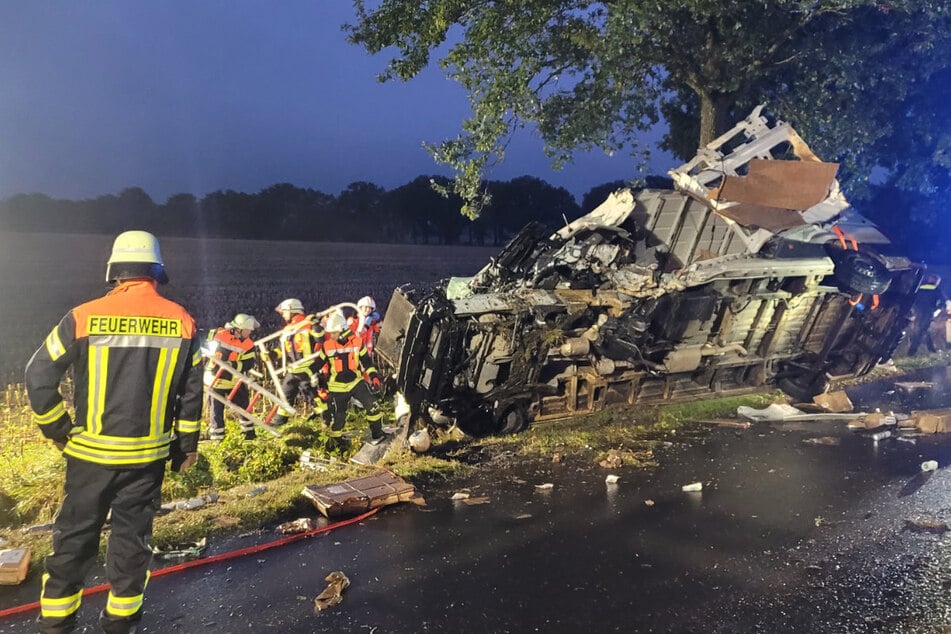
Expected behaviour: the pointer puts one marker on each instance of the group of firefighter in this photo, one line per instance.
(325, 359)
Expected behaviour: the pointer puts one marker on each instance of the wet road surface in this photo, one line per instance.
(786, 536)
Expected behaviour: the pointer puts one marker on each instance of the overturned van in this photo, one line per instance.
(753, 271)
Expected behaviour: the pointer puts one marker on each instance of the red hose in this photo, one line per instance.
(232, 554)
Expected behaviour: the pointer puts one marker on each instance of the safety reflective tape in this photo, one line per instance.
(98, 370)
(146, 326)
(336, 386)
(51, 416)
(123, 443)
(54, 345)
(58, 607)
(923, 287)
(188, 426)
(115, 458)
(134, 341)
(161, 388)
(123, 606)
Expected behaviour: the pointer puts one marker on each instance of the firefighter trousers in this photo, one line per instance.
(295, 383)
(216, 409)
(133, 495)
(363, 395)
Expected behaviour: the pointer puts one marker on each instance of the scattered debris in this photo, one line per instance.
(300, 525)
(187, 551)
(926, 525)
(332, 595)
(475, 501)
(38, 528)
(909, 387)
(934, 421)
(649, 502)
(774, 413)
(309, 460)
(556, 457)
(929, 465)
(822, 440)
(875, 420)
(190, 505)
(726, 422)
(693, 487)
(256, 491)
(834, 402)
(361, 494)
(420, 441)
(460, 495)
(547, 486)
(910, 441)
(882, 435)
(611, 479)
(523, 516)
(14, 564)
(612, 461)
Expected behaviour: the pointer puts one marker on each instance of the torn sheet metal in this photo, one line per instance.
(360, 494)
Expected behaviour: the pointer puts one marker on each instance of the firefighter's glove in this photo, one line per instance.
(185, 463)
(323, 395)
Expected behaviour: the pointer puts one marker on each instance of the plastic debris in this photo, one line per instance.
(926, 525)
(300, 525)
(186, 551)
(929, 465)
(882, 435)
(611, 479)
(775, 412)
(693, 487)
(821, 440)
(649, 502)
(475, 501)
(256, 491)
(547, 486)
(192, 504)
(460, 495)
(38, 528)
(332, 595)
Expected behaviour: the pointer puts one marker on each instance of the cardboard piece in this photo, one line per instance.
(834, 402)
(772, 219)
(780, 184)
(360, 494)
(934, 421)
(14, 563)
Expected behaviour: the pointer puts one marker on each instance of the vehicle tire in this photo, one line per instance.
(512, 419)
(861, 272)
(802, 388)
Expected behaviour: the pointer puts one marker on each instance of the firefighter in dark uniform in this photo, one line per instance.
(300, 345)
(929, 303)
(347, 366)
(136, 364)
(232, 344)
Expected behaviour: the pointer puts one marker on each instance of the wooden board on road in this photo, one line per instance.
(360, 494)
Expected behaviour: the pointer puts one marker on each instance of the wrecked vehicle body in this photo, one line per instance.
(753, 272)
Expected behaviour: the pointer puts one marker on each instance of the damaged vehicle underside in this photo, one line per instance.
(753, 272)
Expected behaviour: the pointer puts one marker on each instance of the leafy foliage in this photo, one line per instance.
(594, 74)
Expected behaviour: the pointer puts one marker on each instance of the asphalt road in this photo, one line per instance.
(785, 536)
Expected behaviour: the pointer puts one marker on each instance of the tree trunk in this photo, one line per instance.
(714, 116)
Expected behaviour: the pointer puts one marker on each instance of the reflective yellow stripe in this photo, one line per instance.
(123, 606)
(98, 368)
(336, 386)
(923, 287)
(114, 458)
(54, 346)
(188, 426)
(51, 416)
(120, 443)
(58, 607)
(161, 388)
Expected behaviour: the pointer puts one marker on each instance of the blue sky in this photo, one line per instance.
(180, 96)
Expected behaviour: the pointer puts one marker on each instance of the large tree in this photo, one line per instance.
(594, 74)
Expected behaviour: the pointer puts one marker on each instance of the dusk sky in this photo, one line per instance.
(196, 96)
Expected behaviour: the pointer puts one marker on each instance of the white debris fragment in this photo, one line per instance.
(545, 487)
(693, 487)
(611, 479)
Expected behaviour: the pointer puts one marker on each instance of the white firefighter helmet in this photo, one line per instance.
(135, 254)
(292, 304)
(419, 441)
(242, 321)
(366, 301)
(336, 322)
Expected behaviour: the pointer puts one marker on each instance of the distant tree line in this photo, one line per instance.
(363, 212)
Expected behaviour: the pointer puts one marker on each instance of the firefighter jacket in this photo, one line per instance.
(300, 343)
(137, 378)
(368, 327)
(345, 361)
(228, 347)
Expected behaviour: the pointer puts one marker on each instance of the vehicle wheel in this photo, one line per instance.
(860, 272)
(512, 420)
(803, 387)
